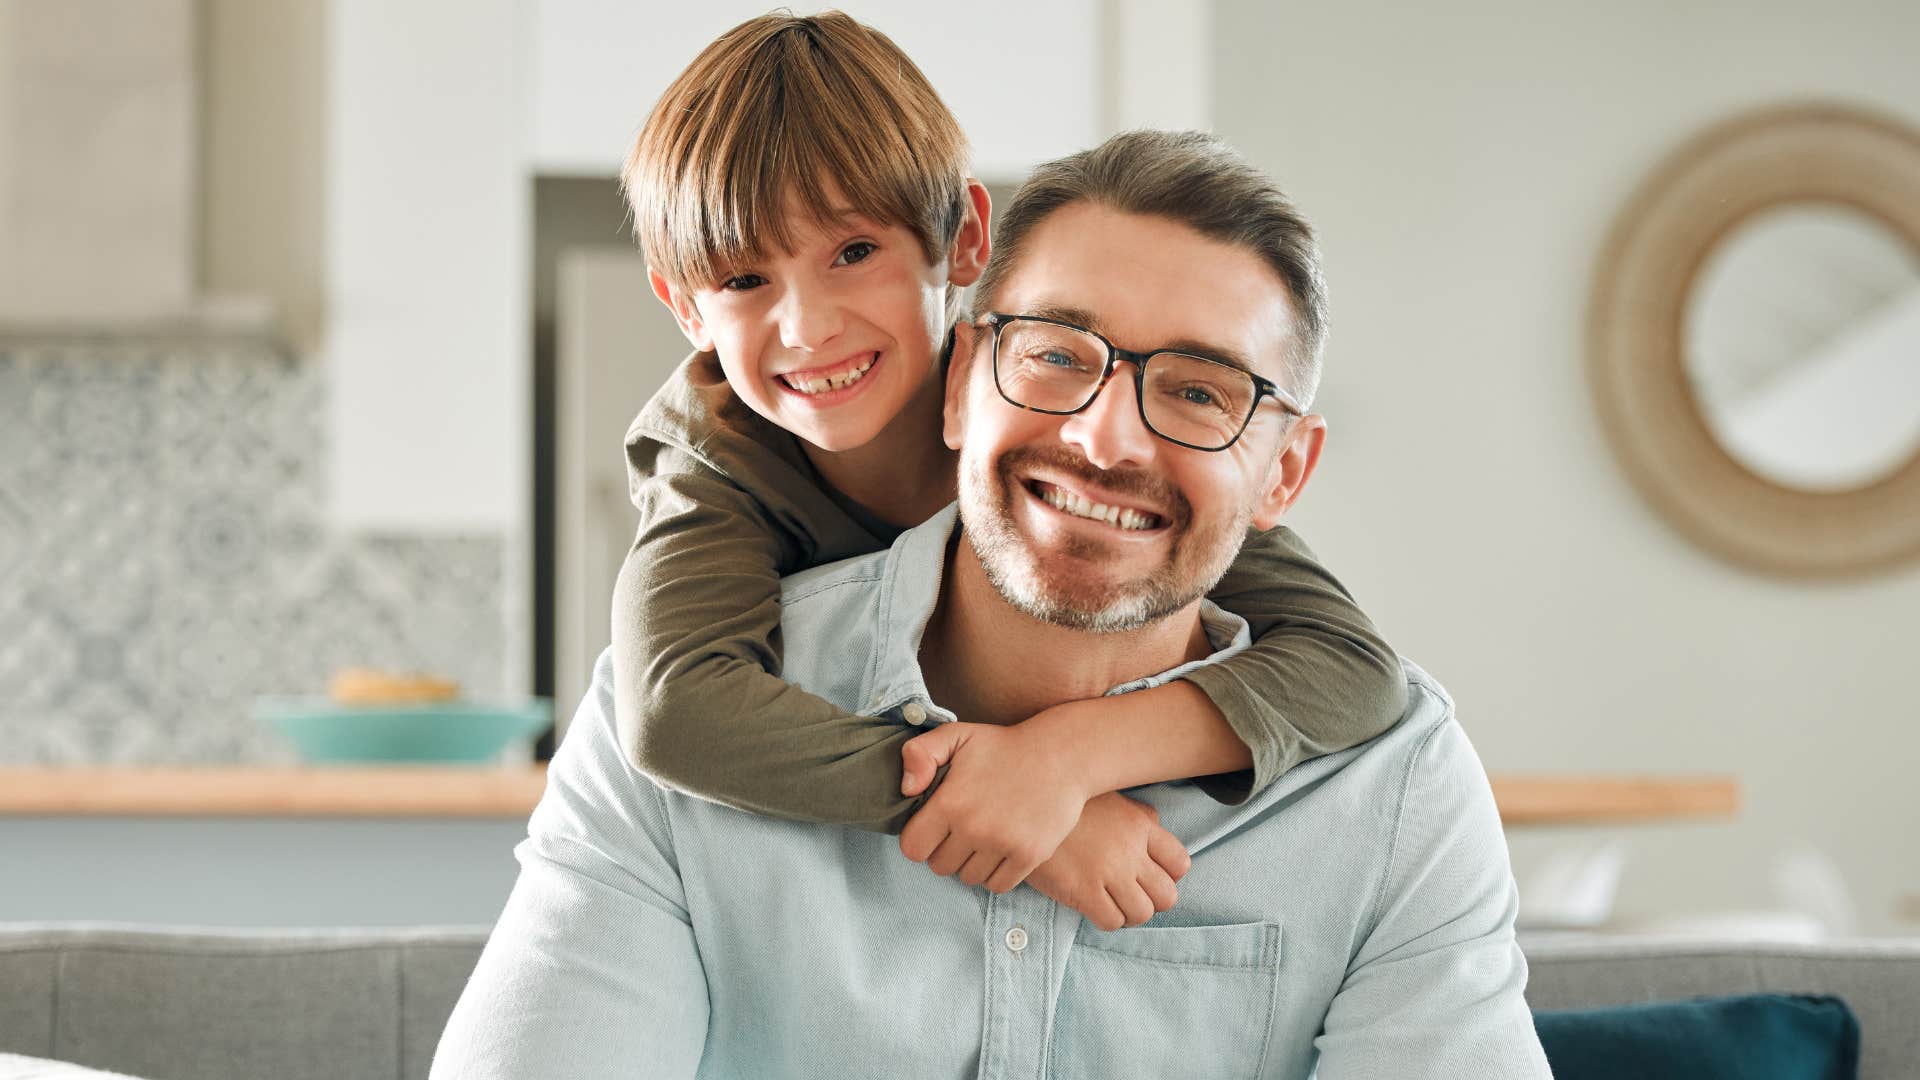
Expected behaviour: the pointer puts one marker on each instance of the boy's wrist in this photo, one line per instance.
(1063, 734)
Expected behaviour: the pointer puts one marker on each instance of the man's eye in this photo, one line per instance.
(1059, 359)
(855, 252)
(1194, 395)
(743, 282)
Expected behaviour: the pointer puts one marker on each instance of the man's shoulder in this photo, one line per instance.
(1386, 776)
(1427, 745)
(1428, 768)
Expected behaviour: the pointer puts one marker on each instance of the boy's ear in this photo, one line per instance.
(953, 418)
(684, 311)
(971, 244)
(1299, 454)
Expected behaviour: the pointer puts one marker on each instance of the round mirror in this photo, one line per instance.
(1802, 345)
(1755, 340)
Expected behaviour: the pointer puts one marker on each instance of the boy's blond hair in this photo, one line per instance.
(820, 110)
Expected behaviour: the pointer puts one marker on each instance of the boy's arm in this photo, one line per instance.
(696, 622)
(1318, 677)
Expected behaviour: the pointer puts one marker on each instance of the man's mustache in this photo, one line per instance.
(1134, 483)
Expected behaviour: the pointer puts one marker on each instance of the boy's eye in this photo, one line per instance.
(855, 252)
(743, 282)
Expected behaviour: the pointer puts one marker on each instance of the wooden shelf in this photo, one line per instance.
(463, 792)
(390, 791)
(1549, 799)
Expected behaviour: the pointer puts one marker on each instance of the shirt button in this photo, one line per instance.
(1017, 939)
(913, 713)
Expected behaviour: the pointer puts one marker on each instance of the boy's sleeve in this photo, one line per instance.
(696, 625)
(1318, 676)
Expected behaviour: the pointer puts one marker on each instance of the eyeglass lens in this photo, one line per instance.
(1185, 398)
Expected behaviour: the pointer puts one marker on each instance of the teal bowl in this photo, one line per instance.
(441, 731)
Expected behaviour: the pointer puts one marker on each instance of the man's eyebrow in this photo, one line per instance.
(1205, 350)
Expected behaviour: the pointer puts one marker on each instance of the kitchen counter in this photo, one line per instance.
(450, 791)
(469, 792)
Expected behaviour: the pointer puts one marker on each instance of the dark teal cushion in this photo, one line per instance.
(1749, 1037)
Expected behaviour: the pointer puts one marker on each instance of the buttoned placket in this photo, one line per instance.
(1020, 942)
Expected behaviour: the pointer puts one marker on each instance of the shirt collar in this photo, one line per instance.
(909, 590)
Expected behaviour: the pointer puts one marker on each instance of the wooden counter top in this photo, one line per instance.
(266, 791)
(1563, 799)
(466, 792)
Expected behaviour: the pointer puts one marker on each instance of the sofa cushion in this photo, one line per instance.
(233, 1004)
(1748, 1037)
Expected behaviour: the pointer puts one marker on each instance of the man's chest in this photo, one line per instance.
(825, 949)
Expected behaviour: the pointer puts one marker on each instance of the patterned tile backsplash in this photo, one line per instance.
(164, 558)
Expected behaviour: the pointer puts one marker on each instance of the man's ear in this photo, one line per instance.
(967, 259)
(684, 311)
(1299, 454)
(959, 369)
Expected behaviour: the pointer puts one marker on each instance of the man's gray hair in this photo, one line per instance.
(1199, 181)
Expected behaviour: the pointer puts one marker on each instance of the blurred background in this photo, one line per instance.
(320, 327)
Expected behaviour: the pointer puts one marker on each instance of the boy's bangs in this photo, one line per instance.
(778, 181)
(783, 126)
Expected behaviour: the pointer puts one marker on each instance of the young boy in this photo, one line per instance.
(801, 194)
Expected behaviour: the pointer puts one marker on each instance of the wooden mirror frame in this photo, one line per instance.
(1636, 335)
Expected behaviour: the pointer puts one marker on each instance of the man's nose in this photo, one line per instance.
(810, 316)
(1109, 431)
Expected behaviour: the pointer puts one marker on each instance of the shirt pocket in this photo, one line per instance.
(1167, 1001)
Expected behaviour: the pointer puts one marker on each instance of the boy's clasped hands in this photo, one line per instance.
(1015, 807)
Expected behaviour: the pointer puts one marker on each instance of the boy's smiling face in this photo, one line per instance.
(832, 339)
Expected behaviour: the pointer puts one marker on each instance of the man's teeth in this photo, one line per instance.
(834, 382)
(1116, 516)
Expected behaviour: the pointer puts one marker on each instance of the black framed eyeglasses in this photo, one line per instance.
(1048, 366)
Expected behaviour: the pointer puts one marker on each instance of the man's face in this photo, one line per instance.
(832, 339)
(1035, 489)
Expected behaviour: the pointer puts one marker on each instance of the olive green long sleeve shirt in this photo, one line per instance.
(729, 504)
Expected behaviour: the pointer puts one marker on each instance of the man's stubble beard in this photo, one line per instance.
(1196, 562)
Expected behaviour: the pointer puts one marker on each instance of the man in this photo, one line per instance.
(1123, 410)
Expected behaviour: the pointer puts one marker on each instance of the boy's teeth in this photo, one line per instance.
(1079, 507)
(832, 382)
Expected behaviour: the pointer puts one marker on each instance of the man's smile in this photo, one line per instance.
(1094, 507)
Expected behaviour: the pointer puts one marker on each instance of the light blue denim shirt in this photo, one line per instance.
(1356, 917)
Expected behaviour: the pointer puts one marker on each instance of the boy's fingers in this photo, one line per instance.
(1005, 879)
(922, 835)
(979, 867)
(949, 857)
(922, 756)
(1159, 887)
(1166, 849)
(1133, 901)
(1102, 912)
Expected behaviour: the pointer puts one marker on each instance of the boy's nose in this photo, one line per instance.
(1109, 431)
(810, 318)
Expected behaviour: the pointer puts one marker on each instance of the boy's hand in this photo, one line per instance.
(1118, 865)
(1011, 795)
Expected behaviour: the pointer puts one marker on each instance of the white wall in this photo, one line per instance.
(429, 206)
(1463, 164)
(1021, 77)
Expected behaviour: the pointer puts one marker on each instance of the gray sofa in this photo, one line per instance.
(175, 1004)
